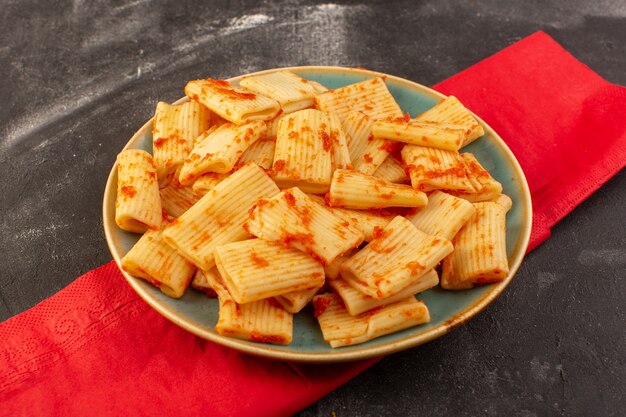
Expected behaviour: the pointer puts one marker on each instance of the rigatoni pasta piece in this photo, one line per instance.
(174, 131)
(295, 220)
(505, 201)
(218, 217)
(390, 262)
(177, 199)
(202, 284)
(256, 269)
(303, 152)
(272, 127)
(138, 204)
(443, 216)
(450, 110)
(357, 302)
(352, 189)
(290, 90)
(424, 133)
(435, 169)
(370, 97)
(364, 220)
(261, 153)
(258, 321)
(206, 182)
(339, 328)
(486, 187)
(295, 301)
(231, 103)
(479, 255)
(319, 88)
(220, 150)
(339, 146)
(392, 171)
(155, 261)
(358, 129)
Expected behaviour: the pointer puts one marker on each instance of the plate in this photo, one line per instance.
(448, 309)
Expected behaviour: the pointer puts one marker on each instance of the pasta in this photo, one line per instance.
(351, 189)
(256, 269)
(258, 321)
(261, 194)
(451, 111)
(217, 218)
(206, 182)
(340, 155)
(138, 204)
(290, 90)
(444, 215)
(393, 260)
(177, 199)
(261, 153)
(220, 150)
(480, 250)
(303, 152)
(202, 284)
(155, 261)
(342, 329)
(364, 220)
(436, 169)
(486, 188)
(392, 171)
(295, 220)
(231, 103)
(357, 302)
(370, 97)
(433, 134)
(174, 131)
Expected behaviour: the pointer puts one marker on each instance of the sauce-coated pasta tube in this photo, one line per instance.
(155, 261)
(256, 269)
(138, 203)
(201, 283)
(220, 150)
(290, 90)
(436, 169)
(352, 189)
(443, 216)
(206, 182)
(261, 153)
(370, 97)
(231, 103)
(423, 133)
(357, 302)
(391, 170)
(393, 260)
(174, 131)
(218, 217)
(339, 146)
(479, 255)
(450, 110)
(364, 220)
(295, 301)
(295, 220)
(303, 152)
(339, 328)
(177, 199)
(505, 201)
(486, 187)
(367, 153)
(258, 321)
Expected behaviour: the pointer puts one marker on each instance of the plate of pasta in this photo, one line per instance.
(316, 214)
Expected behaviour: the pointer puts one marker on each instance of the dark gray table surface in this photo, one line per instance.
(78, 78)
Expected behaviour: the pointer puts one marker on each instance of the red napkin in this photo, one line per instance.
(97, 348)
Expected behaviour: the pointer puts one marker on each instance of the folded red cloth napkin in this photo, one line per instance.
(96, 347)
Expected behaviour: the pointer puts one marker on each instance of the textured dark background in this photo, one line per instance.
(78, 78)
